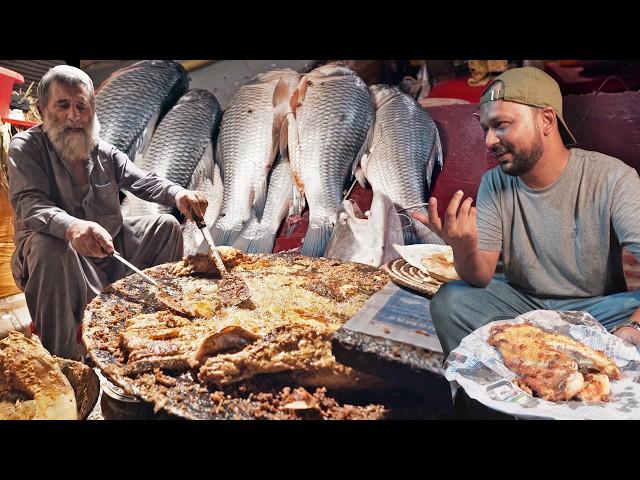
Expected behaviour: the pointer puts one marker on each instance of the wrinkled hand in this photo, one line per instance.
(629, 334)
(89, 239)
(191, 202)
(458, 228)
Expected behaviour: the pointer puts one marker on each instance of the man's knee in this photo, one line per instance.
(447, 300)
(48, 248)
(169, 223)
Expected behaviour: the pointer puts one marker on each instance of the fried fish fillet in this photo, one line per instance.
(554, 366)
(32, 386)
(302, 350)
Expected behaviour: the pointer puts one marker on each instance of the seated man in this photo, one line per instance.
(63, 186)
(560, 216)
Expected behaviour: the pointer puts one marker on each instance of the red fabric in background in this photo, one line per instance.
(457, 88)
(465, 155)
(573, 80)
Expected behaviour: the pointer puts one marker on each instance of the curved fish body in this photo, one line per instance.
(404, 149)
(182, 141)
(332, 114)
(247, 147)
(131, 100)
(210, 184)
(258, 236)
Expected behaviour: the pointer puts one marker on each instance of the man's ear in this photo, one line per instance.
(549, 120)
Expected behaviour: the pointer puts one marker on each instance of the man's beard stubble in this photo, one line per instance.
(73, 146)
(523, 160)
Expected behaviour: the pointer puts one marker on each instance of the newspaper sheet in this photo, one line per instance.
(478, 368)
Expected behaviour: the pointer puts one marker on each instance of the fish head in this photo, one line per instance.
(331, 70)
(276, 75)
(382, 93)
(363, 238)
(196, 95)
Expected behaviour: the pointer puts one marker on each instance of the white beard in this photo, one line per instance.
(73, 146)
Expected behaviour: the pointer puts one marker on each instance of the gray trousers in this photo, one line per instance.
(58, 283)
(458, 308)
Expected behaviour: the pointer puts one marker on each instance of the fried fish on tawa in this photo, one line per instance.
(32, 386)
(297, 348)
(554, 366)
(286, 290)
(85, 384)
(161, 340)
(231, 288)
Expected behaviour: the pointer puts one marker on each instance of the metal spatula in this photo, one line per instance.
(235, 287)
(165, 296)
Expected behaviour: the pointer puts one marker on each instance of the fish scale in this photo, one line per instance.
(246, 150)
(332, 122)
(182, 143)
(130, 101)
(398, 165)
(259, 236)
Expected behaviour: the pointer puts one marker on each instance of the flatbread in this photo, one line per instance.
(440, 266)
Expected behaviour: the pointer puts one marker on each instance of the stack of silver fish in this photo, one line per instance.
(286, 142)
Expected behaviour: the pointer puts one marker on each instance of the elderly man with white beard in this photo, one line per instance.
(63, 186)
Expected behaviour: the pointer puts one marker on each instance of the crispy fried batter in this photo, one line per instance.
(302, 350)
(552, 365)
(136, 340)
(32, 386)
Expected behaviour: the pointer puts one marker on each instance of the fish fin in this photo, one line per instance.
(260, 198)
(281, 94)
(299, 201)
(364, 150)
(283, 138)
(436, 156)
(139, 147)
(297, 96)
(221, 236)
(192, 238)
(348, 192)
(360, 177)
(282, 105)
(218, 158)
(262, 244)
(439, 147)
(292, 153)
(421, 234)
(216, 178)
(316, 240)
(204, 168)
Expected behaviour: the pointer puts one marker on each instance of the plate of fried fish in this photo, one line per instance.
(549, 364)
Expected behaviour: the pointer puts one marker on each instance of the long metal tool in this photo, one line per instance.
(164, 296)
(239, 290)
(136, 269)
(200, 223)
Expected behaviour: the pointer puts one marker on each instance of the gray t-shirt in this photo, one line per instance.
(564, 240)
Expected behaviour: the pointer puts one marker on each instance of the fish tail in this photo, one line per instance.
(423, 235)
(298, 202)
(410, 237)
(260, 198)
(224, 236)
(316, 239)
(262, 244)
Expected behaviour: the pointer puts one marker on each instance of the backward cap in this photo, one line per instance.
(530, 86)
